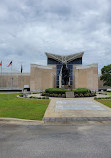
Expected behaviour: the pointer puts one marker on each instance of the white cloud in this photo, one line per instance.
(30, 28)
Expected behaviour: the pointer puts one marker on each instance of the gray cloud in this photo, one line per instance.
(30, 28)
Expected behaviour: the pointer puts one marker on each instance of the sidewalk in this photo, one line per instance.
(76, 109)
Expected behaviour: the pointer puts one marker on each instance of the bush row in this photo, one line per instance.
(53, 95)
(63, 95)
(82, 91)
(103, 89)
(92, 94)
(56, 91)
(77, 92)
(62, 91)
(39, 97)
(102, 97)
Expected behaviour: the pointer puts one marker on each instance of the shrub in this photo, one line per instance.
(51, 95)
(102, 98)
(31, 97)
(82, 91)
(39, 97)
(43, 94)
(46, 97)
(21, 95)
(56, 91)
(55, 95)
(81, 95)
(76, 95)
(59, 95)
(102, 89)
(93, 93)
(63, 95)
(47, 94)
(86, 95)
(90, 94)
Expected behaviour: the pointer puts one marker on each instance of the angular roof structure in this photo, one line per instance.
(64, 59)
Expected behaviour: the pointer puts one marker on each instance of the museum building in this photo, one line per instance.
(60, 72)
(64, 72)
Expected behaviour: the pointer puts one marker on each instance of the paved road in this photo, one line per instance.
(59, 141)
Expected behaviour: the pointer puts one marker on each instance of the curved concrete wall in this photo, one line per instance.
(42, 77)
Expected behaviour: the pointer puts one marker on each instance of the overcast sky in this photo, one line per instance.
(28, 28)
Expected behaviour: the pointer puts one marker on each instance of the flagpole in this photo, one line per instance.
(11, 78)
(21, 76)
(1, 74)
(21, 80)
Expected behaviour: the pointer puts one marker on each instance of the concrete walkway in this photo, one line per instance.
(76, 109)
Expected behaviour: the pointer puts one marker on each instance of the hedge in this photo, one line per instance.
(102, 98)
(56, 91)
(62, 91)
(82, 91)
(38, 97)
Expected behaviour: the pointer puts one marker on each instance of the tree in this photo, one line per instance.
(106, 75)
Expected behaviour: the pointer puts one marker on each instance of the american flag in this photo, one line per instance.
(1, 63)
(21, 68)
(9, 64)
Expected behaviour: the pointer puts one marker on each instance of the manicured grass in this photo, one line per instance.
(13, 107)
(10, 91)
(106, 102)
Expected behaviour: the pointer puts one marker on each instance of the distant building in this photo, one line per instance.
(52, 76)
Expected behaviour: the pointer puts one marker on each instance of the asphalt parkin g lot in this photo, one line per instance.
(81, 140)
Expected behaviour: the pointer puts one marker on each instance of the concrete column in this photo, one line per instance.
(60, 81)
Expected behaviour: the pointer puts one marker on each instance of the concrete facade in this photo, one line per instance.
(42, 77)
(14, 80)
(86, 76)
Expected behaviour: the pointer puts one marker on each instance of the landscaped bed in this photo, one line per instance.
(58, 92)
(13, 107)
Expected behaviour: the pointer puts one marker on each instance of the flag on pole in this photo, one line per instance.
(9, 64)
(1, 63)
(21, 68)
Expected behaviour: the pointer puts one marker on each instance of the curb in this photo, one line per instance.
(75, 119)
(19, 121)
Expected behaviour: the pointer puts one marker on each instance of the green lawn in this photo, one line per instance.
(13, 107)
(106, 102)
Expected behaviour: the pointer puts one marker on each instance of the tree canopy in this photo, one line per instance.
(106, 75)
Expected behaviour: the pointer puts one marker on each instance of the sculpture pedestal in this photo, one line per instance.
(69, 94)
